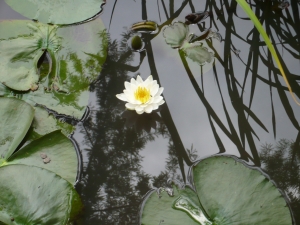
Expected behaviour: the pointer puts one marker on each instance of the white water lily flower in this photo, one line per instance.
(142, 96)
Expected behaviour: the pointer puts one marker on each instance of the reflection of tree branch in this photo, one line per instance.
(210, 110)
(113, 208)
(166, 115)
(130, 68)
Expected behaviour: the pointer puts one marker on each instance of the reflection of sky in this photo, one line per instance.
(188, 112)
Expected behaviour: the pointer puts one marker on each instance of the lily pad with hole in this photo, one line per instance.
(57, 11)
(229, 192)
(65, 61)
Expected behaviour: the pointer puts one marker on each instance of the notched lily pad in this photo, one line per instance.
(75, 57)
(57, 11)
(20, 54)
(226, 191)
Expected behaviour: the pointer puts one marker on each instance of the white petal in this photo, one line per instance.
(160, 90)
(149, 109)
(127, 85)
(150, 78)
(155, 106)
(150, 101)
(148, 81)
(130, 106)
(154, 89)
(161, 102)
(157, 99)
(122, 97)
(139, 110)
(133, 81)
(139, 79)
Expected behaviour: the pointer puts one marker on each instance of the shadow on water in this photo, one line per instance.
(245, 100)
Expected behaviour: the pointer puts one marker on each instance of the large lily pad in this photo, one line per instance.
(57, 11)
(75, 56)
(237, 194)
(36, 181)
(56, 148)
(16, 118)
(227, 192)
(33, 195)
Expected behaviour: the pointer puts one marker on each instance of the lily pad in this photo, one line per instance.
(199, 53)
(57, 11)
(237, 194)
(69, 59)
(36, 181)
(16, 118)
(177, 35)
(160, 208)
(228, 192)
(54, 147)
(29, 196)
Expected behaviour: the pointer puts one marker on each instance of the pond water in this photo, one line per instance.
(237, 104)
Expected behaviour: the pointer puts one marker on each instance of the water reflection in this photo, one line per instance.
(234, 107)
(113, 181)
(282, 162)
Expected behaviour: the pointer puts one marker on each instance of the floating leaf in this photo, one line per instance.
(230, 192)
(176, 34)
(33, 195)
(65, 77)
(20, 54)
(16, 117)
(198, 53)
(54, 147)
(240, 195)
(159, 208)
(33, 186)
(56, 11)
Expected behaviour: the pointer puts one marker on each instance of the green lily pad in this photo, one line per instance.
(53, 152)
(238, 194)
(227, 192)
(159, 208)
(56, 11)
(16, 117)
(33, 195)
(177, 35)
(199, 53)
(75, 57)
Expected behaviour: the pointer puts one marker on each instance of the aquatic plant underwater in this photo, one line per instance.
(53, 60)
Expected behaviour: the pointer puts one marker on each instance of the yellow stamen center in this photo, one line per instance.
(142, 94)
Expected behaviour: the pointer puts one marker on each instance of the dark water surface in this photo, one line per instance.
(237, 105)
